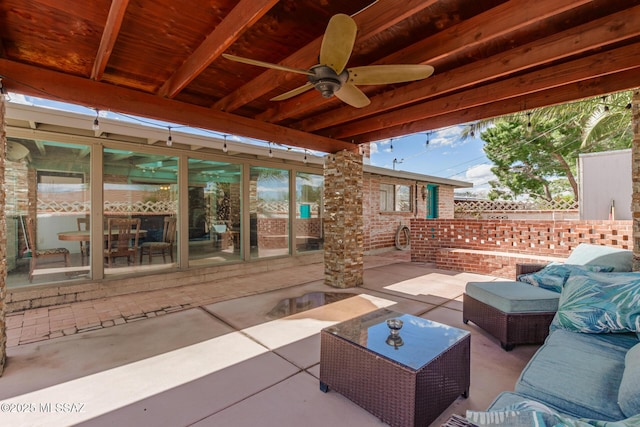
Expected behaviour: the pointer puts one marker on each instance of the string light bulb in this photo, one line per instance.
(96, 123)
(270, 151)
(428, 138)
(391, 146)
(169, 138)
(224, 146)
(604, 101)
(529, 120)
(305, 157)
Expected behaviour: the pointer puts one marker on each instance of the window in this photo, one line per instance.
(395, 198)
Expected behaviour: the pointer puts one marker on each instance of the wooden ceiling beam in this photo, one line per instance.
(109, 36)
(596, 34)
(601, 64)
(597, 86)
(30, 80)
(484, 28)
(370, 21)
(244, 15)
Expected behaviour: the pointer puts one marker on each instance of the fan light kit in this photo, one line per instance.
(330, 77)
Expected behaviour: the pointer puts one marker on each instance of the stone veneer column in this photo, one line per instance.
(635, 174)
(343, 222)
(3, 240)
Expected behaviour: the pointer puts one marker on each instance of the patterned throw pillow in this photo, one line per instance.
(554, 276)
(599, 303)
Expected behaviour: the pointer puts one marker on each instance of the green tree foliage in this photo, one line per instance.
(535, 153)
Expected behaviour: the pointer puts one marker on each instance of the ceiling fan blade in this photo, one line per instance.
(338, 41)
(353, 96)
(267, 64)
(386, 74)
(293, 92)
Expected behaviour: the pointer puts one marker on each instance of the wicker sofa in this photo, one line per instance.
(520, 311)
(587, 372)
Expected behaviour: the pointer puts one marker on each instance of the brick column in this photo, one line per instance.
(3, 240)
(343, 223)
(635, 174)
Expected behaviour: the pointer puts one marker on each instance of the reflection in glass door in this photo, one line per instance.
(140, 187)
(214, 212)
(269, 212)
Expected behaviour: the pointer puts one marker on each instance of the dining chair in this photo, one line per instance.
(83, 225)
(163, 247)
(38, 254)
(122, 239)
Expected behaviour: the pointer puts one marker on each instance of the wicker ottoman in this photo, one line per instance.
(405, 380)
(513, 312)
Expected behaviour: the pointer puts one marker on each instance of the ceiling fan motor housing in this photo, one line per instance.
(326, 80)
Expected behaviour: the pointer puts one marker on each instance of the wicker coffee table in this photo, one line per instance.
(408, 381)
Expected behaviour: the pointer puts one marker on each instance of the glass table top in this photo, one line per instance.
(419, 340)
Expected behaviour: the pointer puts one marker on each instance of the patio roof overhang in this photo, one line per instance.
(162, 59)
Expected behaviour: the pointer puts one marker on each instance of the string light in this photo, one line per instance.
(529, 120)
(604, 101)
(270, 151)
(391, 146)
(305, 157)
(169, 138)
(224, 146)
(96, 123)
(428, 137)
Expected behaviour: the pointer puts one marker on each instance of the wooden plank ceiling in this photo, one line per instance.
(162, 59)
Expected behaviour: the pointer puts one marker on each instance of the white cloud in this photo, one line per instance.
(479, 175)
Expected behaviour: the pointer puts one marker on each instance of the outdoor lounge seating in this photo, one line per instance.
(520, 312)
(589, 366)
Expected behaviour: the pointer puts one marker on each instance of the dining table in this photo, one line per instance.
(85, 235)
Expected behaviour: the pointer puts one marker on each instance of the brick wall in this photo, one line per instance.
(536, 238)
(380, 227)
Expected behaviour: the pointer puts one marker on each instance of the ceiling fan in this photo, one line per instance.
(330, 77)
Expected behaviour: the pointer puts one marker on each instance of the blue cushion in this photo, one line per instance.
(578, 374)
(513, 297)
(629, 393)
(554, 276)
(600, 303)
(586, 254)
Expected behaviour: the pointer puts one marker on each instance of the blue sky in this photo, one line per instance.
(446, 155)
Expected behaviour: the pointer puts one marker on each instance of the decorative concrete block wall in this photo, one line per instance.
(343, 223)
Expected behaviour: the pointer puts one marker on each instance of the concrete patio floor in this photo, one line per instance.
(211, 361)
